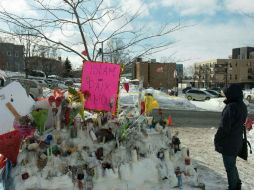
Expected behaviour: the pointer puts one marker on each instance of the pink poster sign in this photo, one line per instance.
(101, 80)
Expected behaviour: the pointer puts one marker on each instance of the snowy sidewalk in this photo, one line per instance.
(209, 162)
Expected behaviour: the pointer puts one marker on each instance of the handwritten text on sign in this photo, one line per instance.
(102, 81)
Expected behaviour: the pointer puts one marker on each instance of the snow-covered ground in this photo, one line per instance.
(208, 163)
(173, 102)
(199, 140)
(168, 102)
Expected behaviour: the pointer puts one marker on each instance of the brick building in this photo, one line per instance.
(12, 57)
(156, 75)
(49, 66)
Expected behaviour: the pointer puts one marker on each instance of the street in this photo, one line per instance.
(189, 118)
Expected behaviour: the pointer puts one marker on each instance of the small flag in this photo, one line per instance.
(126, 86)
(170, 122)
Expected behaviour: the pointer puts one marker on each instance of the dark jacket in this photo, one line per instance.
(228, 139)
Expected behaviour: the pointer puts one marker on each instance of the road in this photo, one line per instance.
(190, 118)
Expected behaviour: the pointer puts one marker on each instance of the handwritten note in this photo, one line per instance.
(102, 81)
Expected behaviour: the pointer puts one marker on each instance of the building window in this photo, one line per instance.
(236, 64)
(230, 65)
(230, 76)
(8, 53)
(235, 77)
(16, 54)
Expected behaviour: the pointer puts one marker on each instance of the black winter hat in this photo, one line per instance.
(233, 93)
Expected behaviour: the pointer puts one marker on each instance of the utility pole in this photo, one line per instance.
(226, 69)
(101, 52)
(102, 58)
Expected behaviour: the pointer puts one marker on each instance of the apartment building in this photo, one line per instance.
(156, 75)
(12, 57)
(243, 53)
(219, 72)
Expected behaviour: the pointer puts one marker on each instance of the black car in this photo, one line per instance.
(186, 89)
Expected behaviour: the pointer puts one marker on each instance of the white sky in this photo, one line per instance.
(215, 26)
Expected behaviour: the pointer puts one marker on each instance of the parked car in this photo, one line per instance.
(32, 86)
(52, 83)
(195, 94)
(186, 89)
(214, 92)
(77, 85)
(36, 74)
(62, 85)
(218, 89)
(42, 82)
(68, 83)
(249, 94)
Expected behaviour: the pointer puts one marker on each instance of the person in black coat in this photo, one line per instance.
(228, 139)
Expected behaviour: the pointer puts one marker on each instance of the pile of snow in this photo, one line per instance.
(2, 74)
(251, 137)
(214, 104)
(14, 74)
(172, 102)
(130, 171)
(165, 101)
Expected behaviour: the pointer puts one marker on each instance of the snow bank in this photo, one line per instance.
(172, 102)
(251, 137)
(164, 100)
(214, 104)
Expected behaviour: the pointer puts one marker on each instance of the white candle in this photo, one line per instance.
(134, 155)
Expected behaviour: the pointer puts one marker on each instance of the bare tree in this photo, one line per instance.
(92, 23)
(189, 71)
(117, 55)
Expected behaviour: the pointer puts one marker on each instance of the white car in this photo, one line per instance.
(62, 85)
(195, 94)
(33, 87)
(248, 95)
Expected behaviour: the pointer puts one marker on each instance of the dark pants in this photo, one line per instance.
(232, 172)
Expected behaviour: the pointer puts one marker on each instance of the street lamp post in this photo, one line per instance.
(101, 52)
(226, 72)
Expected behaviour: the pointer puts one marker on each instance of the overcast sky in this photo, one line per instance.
(215, 26)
